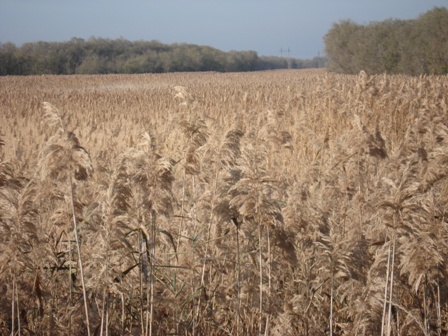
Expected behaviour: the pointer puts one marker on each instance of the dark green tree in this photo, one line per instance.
(411, 47)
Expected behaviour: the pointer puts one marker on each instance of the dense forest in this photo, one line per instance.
(412, 47)
(100, 56)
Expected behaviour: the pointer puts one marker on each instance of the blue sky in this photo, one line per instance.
(266, 26)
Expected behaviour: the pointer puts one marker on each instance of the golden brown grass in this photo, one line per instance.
(280, 203)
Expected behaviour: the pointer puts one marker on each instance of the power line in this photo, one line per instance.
(288, 58)
(285, 51)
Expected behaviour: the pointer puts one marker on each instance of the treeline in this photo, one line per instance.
(412, 47)
(100, 56)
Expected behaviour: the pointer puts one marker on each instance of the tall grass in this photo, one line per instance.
(274, 203)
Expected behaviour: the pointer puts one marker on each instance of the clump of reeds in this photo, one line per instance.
(297, 203)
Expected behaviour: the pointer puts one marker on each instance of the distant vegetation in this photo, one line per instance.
(100, 56)
(410, 47)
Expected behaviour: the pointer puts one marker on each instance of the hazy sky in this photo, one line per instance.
(266, 26)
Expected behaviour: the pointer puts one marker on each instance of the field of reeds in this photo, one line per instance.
(268, 203)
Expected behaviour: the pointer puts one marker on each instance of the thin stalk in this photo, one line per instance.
(107, 314)
(416, 320)
(269, 261)
(140, 247)
(331, 304)
(193, 316)
(389, 324)
(397, 315)
(260, 257)
(151, 277)
(70, 269)
(144, 254)
(179, 232)
(148, 308)
(102, 313)
(106, 291)
(122, 314)
(238, 282)
(81, 270)
(13, 304)
(192, 288)
(18, 312)
(70, 281)
(425, 310)
(385, 293)
(176, 308)
(266, 331)
(439, 313)
(204, 264)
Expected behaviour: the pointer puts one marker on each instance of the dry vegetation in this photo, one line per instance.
(280, 203)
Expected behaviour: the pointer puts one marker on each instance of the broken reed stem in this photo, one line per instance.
(81, 270)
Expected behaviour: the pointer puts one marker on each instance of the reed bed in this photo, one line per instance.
(294, 202)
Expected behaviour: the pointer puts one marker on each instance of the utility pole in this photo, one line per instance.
(288, 59)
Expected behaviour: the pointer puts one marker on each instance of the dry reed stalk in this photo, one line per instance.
(392, 265)
(63, 158)
(81, 269)
(386, 287)
(238, 281)
(13, 300)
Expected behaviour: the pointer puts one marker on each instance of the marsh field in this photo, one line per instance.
(293, 202)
